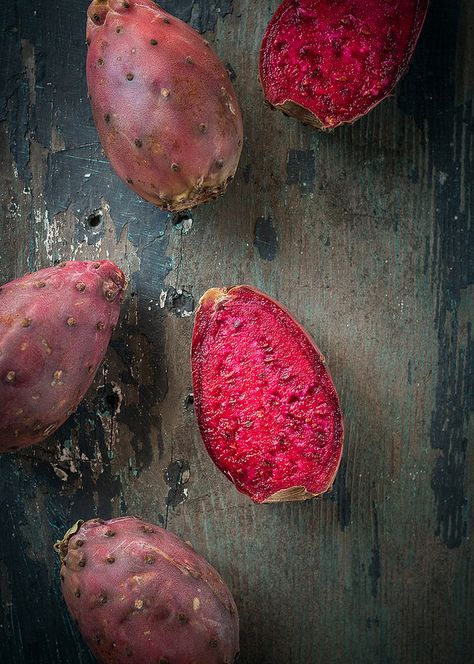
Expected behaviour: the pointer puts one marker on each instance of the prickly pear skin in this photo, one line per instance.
(55, 326)
(140, 595)
(266, 405)
(163, 104)
(329, 63)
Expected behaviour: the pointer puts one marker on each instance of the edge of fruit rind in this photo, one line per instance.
(292, 494)
(61, 546)
(213, 296)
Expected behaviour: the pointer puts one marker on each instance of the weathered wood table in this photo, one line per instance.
(366, 235)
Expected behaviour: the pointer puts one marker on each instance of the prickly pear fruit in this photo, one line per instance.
(328, 63)
(163, 104)
(265, 403)
(55, 326)
(140, 595)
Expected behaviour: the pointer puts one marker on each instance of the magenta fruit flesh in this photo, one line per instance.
(329, 62)
(266, 406)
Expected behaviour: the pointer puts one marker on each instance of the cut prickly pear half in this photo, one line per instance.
(330, 62)
(140, 595)
(55, 326)
(266, 406)
(163, 104)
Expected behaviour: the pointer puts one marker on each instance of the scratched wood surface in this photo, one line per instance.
(366, 235)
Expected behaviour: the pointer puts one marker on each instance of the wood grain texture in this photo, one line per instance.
(366, 236)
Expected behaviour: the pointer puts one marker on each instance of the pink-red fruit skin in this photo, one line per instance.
(329, 62)
(265, 403)
(55, 326)
(163, 104)
(140, 595)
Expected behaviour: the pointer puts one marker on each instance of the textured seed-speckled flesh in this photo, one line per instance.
(329, 62)
(163, 104)
(266, 405)
(55, 326)
(141, 595)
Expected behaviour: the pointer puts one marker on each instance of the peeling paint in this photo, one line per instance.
(176, 475)
(266, 238)
(178, 302)
(301, 169)
(201, 14)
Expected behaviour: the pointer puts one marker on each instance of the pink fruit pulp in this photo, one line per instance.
(328, 62)
(266, 405)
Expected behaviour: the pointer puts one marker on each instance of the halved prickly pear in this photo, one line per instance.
(330, 62)
(265, 403)
(55, 326)
(140, 595)
(163, 104)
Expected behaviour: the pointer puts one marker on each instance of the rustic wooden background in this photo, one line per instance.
(366, 235)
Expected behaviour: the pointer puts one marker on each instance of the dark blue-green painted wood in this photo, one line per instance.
(366, 235)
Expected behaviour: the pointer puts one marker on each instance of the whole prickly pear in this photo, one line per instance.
(140, 595)
(55, 326)
(163, 104)
(266, 406)
(329, 62)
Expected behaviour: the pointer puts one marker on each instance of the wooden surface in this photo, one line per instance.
(366, 236)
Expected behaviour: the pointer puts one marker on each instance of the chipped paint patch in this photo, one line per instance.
(163, 296)
(177, 301)
(187, 225)
(203, 16)
(60, 473)
(301, 169)
(176, 476)
(109, 244)
(266, 238)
